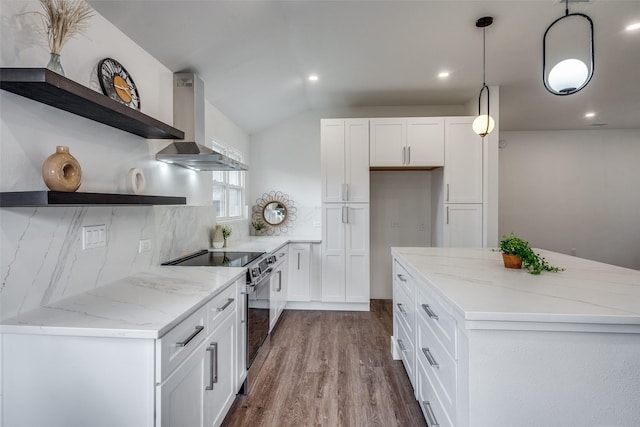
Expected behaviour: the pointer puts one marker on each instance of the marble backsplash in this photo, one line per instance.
(41, 255)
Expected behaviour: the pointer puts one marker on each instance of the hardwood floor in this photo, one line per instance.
(329, 368)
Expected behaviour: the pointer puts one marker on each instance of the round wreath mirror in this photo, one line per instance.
(276, 211)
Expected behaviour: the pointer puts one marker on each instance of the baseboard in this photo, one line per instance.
(329, 306)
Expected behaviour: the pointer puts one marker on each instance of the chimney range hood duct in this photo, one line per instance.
(188, 115)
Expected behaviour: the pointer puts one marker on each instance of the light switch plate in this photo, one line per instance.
(144, 246)
(94, 236)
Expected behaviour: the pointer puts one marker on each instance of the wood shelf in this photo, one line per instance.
(47, 87)
(59, 198)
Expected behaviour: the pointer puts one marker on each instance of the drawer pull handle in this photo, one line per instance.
(430, 358)
(401, 277)
(199, 329)
(226, 304)
(401, 345)
(213, 368)
(429, 312)
(431, 418)
(402, 310)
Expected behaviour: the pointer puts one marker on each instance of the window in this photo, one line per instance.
(228, 187)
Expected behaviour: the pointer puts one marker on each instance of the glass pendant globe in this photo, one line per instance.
(480, 124)
(568, 76)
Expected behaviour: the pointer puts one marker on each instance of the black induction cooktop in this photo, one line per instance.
(205, 258)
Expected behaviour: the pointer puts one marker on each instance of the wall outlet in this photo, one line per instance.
(144, 246)
(94, 236)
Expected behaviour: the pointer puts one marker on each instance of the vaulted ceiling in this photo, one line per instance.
(255, 56)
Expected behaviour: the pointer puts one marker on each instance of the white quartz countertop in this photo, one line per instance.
(145, 305)
(267, 243)
(476, 284)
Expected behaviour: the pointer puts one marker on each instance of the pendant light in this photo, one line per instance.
(484, 123)
(569, 74)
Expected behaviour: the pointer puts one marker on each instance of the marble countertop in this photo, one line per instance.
(145, 305)
(267, 243)
(476, 284)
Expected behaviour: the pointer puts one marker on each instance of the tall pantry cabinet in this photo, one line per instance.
(345, 210)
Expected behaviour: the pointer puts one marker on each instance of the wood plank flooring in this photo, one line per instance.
(329, 368)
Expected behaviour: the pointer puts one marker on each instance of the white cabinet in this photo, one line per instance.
(278, 284)
(463, 225)
(345, 160)
(299, 272)
(220, 390)
(345, 253)
(406, 142)
(241, 333)
(463, 162)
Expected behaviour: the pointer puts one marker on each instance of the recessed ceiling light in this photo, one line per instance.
(313, 78)
(633, 27)
(443, 74)
(590, 114)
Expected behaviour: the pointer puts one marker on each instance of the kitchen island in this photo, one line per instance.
(484, 345)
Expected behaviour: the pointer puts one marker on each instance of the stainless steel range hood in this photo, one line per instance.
(188, 115)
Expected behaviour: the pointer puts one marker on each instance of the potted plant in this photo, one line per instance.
(259, 227)
(226, 232)
(516, 253)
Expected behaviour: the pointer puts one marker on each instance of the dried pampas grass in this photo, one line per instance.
(64, 19)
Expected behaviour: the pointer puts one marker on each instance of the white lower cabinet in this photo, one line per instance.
(463, 225)
(220, 390)
(278, 287)
(299, 272)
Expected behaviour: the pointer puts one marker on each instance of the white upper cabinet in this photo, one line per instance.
(463, 162)
(345, 160)
(407, 143)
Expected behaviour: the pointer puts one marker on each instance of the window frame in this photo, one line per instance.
(226, 184)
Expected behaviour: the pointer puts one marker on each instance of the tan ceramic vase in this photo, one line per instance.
(61, 171)
(512, 261)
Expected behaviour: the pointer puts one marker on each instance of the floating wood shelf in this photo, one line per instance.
(47, 87)
(58, 198)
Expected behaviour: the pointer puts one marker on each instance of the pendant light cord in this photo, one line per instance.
(566, 7)
(484, 55)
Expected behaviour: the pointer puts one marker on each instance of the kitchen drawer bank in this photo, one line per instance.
(155, 349)
(483, 345)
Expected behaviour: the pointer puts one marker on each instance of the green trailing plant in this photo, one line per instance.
(258, 225)
(226, 231)
(532, 261)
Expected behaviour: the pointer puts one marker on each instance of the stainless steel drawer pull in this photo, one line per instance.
(279, 280)
(431, 418)
(226, 304)
(429, 312)
(404, 155)
(402, 310)
(447, 192)
(401, 345)
(409, 155)
(281, 254)
(199, 329)
(213, 367)
(298, 260)
(430, 358)
(401, 277)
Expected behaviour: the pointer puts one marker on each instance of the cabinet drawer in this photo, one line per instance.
(438, 318)
(177, 344)
(220, 306)
(404, 307)
(430, 404)
(405, 346)
(439, 365)
(405, 280)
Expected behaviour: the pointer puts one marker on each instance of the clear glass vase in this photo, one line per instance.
(54, 64)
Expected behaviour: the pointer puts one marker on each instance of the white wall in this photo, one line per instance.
(41, 259)
(400, 216)
(564, 190)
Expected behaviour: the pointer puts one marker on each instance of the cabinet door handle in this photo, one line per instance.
(447, 192)
(401, 345)
(431, 418)
(298, 260)
(279, 280)
(345, 192)
(183, 343)
(429, 312)
(447, 214)
(402, 310)
(404, 155)
(226, 304)
(430, 358)
(281, 254)
(213, 367)
(409, 155)
(401, 277)
(345, 215)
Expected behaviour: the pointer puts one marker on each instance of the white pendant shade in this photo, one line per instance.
(568, 76)
(480, 124)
